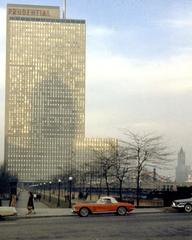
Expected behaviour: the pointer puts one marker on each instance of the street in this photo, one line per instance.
(157, 226)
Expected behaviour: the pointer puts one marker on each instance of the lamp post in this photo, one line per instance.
(58, 199)
(40, 187)
(70, 183)
(44, 190)
(50, 191)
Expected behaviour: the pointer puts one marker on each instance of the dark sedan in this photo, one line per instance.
(184, 204)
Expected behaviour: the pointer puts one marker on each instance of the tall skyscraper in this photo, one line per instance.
(45, 94)
(45, 90)
(182, 170)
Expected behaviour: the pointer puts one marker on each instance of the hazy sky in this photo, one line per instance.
(138, 67)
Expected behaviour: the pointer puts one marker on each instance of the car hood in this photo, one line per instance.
(183, 200)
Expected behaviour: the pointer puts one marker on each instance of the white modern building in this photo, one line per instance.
(45, 92)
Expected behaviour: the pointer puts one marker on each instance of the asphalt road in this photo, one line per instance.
(164, 226)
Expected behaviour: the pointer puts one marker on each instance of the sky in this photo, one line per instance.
(138, 67)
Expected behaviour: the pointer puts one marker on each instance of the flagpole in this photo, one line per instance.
(65, 9)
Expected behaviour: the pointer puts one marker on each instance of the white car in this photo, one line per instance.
(7, 211)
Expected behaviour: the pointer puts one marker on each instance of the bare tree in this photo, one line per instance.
(82, 180)
(95, 177)
(4, 180)
(106, 161)
(87, 176)
(145, 151)
(8, 183)
(121, 168)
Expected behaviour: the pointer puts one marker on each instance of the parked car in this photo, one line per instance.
(7, 211)
(103, 205)
(184, 204)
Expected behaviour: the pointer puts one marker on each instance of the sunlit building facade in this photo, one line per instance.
(88, 153)
(45, 94)
(45, 90)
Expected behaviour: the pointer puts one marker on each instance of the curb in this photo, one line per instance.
(35, 216)
(75, 215)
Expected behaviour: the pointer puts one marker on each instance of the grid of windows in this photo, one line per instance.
(45, 95)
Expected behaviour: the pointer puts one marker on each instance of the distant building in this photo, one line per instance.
(182, 171)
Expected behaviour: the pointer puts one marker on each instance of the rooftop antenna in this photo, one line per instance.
(65, 9)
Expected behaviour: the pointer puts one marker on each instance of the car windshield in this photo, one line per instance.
(106, 200)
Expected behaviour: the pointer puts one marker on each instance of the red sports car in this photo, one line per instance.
(103, 205)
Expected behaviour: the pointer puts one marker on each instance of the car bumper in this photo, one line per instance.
(7, 211)
(178, 206)
(75, 211)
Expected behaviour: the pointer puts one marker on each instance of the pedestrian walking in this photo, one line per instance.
(39, 196)
(30, 204)
(13, 200)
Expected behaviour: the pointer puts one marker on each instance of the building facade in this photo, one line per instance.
(45, 92)
(88, 154)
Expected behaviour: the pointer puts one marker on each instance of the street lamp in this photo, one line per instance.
(58, 199)
(70, 183)
(44, 190)
(40, 187)
(50, 191)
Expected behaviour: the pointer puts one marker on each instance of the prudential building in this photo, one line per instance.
(45, 92)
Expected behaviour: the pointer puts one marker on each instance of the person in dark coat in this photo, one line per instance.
(30, 204)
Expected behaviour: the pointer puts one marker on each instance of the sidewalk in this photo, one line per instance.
(23, 199)
(45, 212)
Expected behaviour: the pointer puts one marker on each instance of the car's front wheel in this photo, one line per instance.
(121, 211)
(188, 208)
(84, 212)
